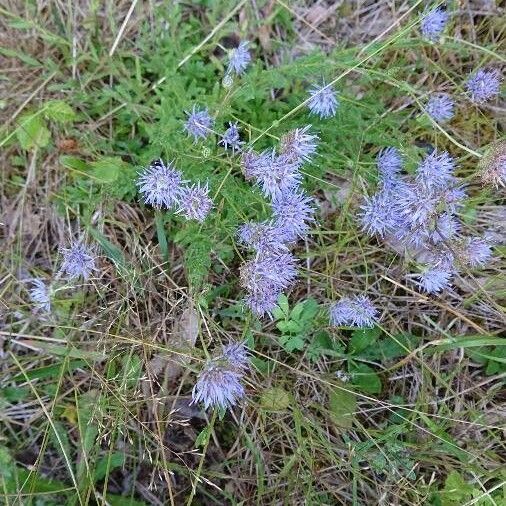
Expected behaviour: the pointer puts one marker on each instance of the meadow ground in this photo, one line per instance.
(97, 372)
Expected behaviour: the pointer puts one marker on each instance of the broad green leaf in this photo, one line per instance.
(456, 490)
(275, 399)
(361, 339)
(365, 378)
(58, 110)
(32, 131)
(107, 170)
(107, 464)
(342, 406)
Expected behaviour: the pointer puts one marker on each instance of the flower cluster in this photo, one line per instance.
(433, 23)
(273, 268)
(162, 186)
(440, 107)
(219, 382)
(420, 212)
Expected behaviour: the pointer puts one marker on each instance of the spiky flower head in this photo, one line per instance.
(436, 170)
(160, 185)
(293, 211)
(267, 273)
(276, 173)
(40, 295)
(446, 227)
(440, 107)
(435, 279)
(199, 123)
(493, 165)
(389, 162)
(78, 261)
(323, 100)
(433, 23)
(354, 311)
(378, 214)
(239, 59)
(477, 251)
(218, 385)
(231, 138)
(264, 302)
(194, 202)
(237, 355)
(251, 163)
(298, 145)
(483, 85)
(263, 237)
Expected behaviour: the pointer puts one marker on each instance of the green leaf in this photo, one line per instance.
(32, 131)
(107, 464)
(362, 339)
(292, 342)
(202, 437)
(107, 170)
(342, 406)
(275, 399)
(456, 490)
(74, 163)
(60, 111)
(365, 378)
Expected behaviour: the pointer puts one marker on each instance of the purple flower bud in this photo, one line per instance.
(433, 23)
(436, 170)
(323, 101)
(293, 211)
(160, 185)
(78, 261)
(231, 138)
(264, 302)
(354, 311)
(298, 145)
(477, 251)
(389, 162)
(239, 59)
(199, 123)
(264, 238)
(237, 355)
(433, 280)
(440, 107)
(194, 202)
(483, 85)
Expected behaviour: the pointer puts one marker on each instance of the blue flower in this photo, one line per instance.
(263, 302)
(379, 214)
(239, 59)
(218, 385)
(436, 170)
(237, 355)
(199, 123)
(298, 145)
(292, 211)
(434, 279)
(447, 227)
(194, 202)
(161, 185)
(231, 138)
(483, 85)
(354, 311)
(477, 251)
(323, 101)
(433, 23)
(40, 296)
(440, 107)
(78, 261)
(275, 173)
(389, 162)
(264, 238)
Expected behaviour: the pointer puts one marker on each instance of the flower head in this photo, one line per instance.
(231, 138)
(298, 145)
(160, 185)
(199, 123)
(434, 279)
(436, 170)
(194, 202)
(262, 303)
(78, 261)
(218, 385)
(354, 311)
(483, 85)
(389, 162)
(440, 107)
(433, 23)
(477, 251)
(237, 355)
(323, 101)
(379, 214)
(264, 238)
(293, 211)
(276, 173)
(40, 295)
(239, 59)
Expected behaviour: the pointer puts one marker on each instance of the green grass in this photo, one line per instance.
(95, 400)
